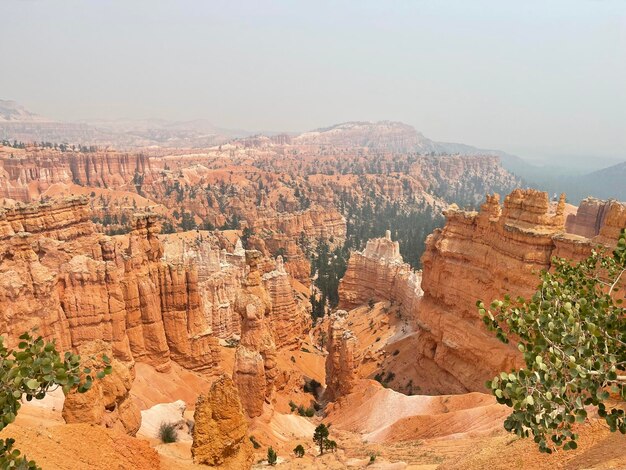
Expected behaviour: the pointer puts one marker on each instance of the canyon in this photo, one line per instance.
(193, 270)
(477, 255)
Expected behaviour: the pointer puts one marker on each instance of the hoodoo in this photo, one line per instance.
(253, 315)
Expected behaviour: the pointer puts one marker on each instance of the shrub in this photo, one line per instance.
(330, 445)
(167, 433)
(232, 343)
(308, 412)
(271, 456)
(299, 451)
(255, 443)
(293, 406)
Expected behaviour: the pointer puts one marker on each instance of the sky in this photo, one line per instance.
(543, 79)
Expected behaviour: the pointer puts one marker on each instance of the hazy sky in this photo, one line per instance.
(540, 78)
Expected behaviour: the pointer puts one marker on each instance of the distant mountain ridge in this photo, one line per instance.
(16, 122)
(395, 136)
(12, 111)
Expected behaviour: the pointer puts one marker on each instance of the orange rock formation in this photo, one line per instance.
(477, 255)
(220, 430)
(152, 304)
(107, 402)
(379, 273)
(342, 362)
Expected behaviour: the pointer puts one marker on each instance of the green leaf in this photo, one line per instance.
(32, 384)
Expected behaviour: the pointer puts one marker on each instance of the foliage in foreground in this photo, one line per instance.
(573, 337)
(32, 370)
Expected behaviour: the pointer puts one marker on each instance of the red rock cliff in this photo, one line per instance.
(477, 255)
(379, 273)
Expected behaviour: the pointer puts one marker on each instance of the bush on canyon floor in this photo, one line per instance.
(272, 457)
(255, 443)
(320, 436)
(572, 333)
(167, 433)
(299, 451)
(308, 412)
(330, 445)
(33, 369)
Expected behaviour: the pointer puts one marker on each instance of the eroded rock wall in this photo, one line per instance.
(220, 430)
(108, 402)
(477, 255)
(76, 285)
(289, 319)
(343, 359)
(379, 273)
(255, 367)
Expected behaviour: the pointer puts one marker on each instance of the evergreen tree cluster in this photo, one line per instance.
(327, 267)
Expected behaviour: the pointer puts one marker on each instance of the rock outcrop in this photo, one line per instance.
(255, 359)
(477, 255)
(483, 256)
(220, 430)
(589, 218)
(153, 298)
(26, 177)
(486, 255)
(379, 273)
(107, 402)
(343, 360)
(288, 318)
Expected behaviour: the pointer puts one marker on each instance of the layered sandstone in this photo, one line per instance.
(219, 277)
(76, 285)
(255, 367)
(379, 273)
(289, 320)
(343, 359)
(107, 402)
(26, 177)
(477, 255)
(589, 217)
(153, 298)
(316, 222)
(220, 430)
